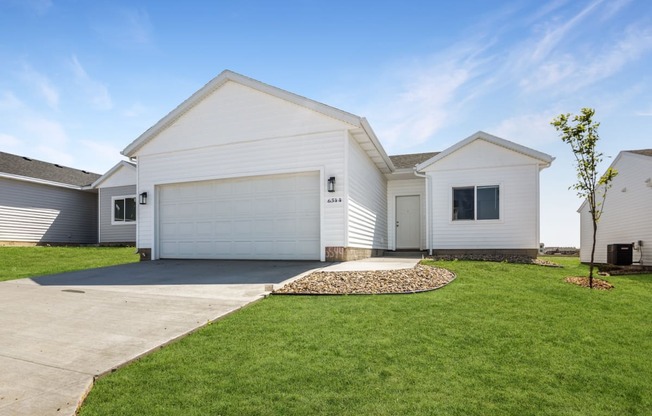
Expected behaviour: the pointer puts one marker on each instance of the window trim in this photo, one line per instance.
(475, 204)
(112, 209)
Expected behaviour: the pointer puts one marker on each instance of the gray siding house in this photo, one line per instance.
(42, 203)
(117, 205)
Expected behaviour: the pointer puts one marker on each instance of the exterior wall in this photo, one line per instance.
(322, 152)
(405, 187)
(477, 164)
(626, 216)
(367, 200)
(115, 233)
(31, 212)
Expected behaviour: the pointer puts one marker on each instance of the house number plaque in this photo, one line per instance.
(333, 200)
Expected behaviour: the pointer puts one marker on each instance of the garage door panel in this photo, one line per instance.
(272, 217)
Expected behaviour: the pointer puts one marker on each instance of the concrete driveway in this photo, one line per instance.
(58, 332)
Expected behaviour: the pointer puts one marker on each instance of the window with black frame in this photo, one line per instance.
(124, 209)
(476, 203)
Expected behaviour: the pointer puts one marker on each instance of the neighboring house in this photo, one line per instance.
(627, 208)
(45, 203)
(117, 205)
(245, 170)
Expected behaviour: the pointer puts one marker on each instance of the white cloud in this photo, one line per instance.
(9, 101)
(97, 93)
(39, 7)
(45, 131)
(42, 85)
(126, 28)
(8, 141)
(136, 109)
(529, 129)
(106, 155)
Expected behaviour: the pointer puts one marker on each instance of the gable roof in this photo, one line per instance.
(364, 130)
(480, 135)
(32, 170)
(643, 152)
(409, 161)
(114, 169)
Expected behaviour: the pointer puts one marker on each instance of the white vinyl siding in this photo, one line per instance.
(37, 213)
(517, 227)
(626, 216)
(405, 187)
(109, 233)
(367, 202)
(324, 151)
(266, 218)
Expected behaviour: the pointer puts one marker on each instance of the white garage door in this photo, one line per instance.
(265, 217)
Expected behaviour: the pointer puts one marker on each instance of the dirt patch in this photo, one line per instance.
(418, 279)
(584, 282)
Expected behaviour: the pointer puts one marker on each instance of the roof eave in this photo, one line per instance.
(111, 172)
(374, 140)
(40, 181)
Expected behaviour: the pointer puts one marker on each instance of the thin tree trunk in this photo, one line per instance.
(595, 231)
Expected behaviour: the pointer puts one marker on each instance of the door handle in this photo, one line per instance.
(397, 224)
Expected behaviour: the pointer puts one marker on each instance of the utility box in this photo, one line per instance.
(620, 254)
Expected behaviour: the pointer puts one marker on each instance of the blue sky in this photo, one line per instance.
(79, 80)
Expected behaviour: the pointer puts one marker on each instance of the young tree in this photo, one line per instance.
(581, 133)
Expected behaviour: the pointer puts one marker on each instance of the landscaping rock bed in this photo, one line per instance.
(496, 258)
(418, 279)
(584, 282)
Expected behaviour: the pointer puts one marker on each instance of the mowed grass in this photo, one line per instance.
(502, 339)
(19, 262)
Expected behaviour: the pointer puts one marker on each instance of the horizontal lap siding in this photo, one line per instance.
(626, 216)
(367, 201)
(517, 227)
(254, 158)
(416, 186)
(118, 233)
(32, 212)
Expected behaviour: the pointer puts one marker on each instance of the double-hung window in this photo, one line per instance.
(124, 209)
(476, 203)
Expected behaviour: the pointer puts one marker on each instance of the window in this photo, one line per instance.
(476, 203)
(124, 209)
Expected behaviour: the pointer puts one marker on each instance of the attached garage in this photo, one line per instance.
(259, 217)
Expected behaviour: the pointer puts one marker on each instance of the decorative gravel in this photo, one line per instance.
(584, 282)
(497, 258)
(418, 279)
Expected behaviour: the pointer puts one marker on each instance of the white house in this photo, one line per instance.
(245, 170)
(627, 207)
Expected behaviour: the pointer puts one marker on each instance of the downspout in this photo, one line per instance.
(423, 175)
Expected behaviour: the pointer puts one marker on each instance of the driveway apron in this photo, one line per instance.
(59, 332)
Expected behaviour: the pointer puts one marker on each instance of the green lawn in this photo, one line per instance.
(19, 262)
(502, 339)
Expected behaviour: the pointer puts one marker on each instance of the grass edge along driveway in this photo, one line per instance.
(501, 339)
(21, 262)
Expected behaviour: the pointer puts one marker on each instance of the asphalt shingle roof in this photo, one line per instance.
(32, 168)
(644, 152)
(411, 160)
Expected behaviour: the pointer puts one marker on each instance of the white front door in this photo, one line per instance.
(408, 222)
